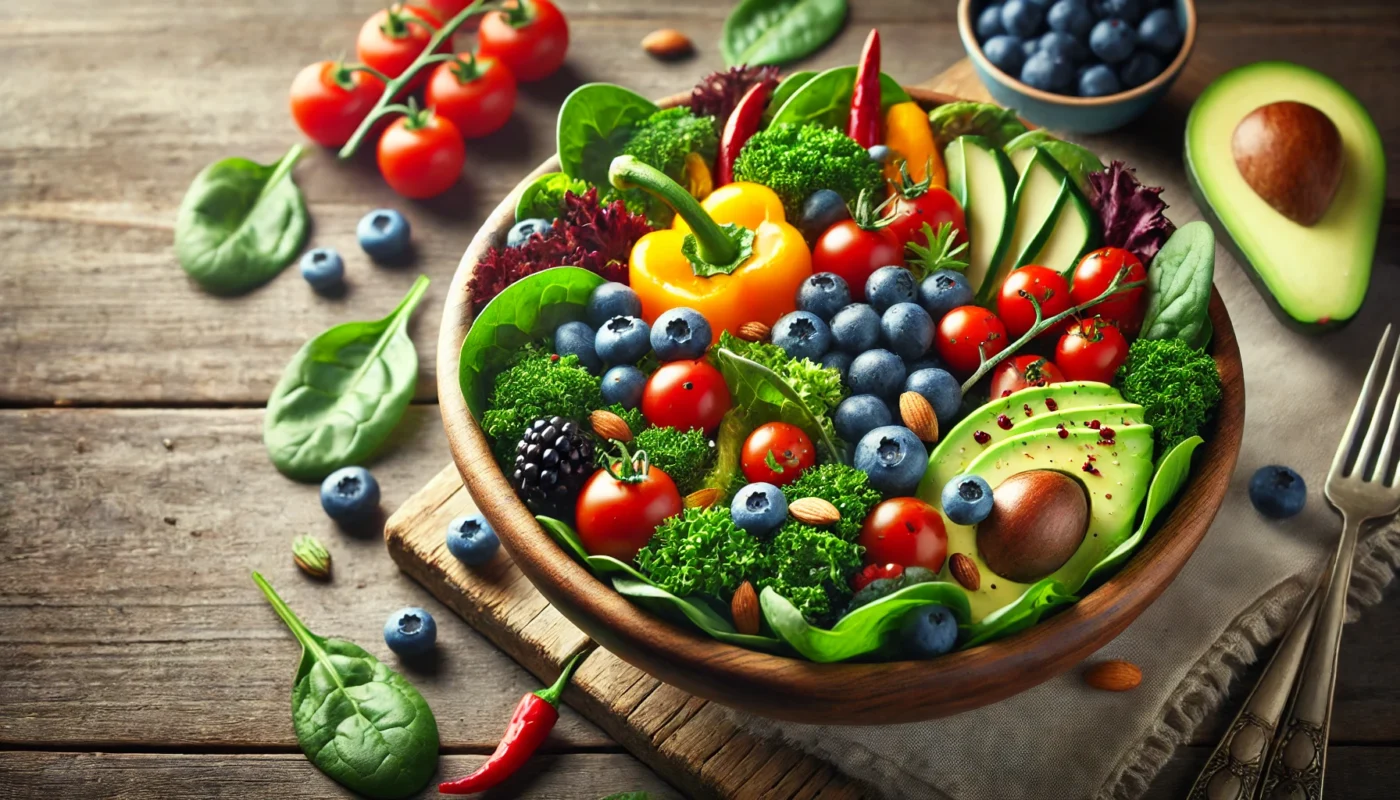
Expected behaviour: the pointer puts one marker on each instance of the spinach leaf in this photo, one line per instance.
(870, 630)
(826, 99)
(779, 31)
(595, 123)
(1178, 286)
(343, 393)
(357, 720)
(526, 310)
(240, 223)
(766, 397)
(785, 89)
(544, 197)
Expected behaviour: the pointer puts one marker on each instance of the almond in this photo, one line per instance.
(610, 426)
(964, 571)
(1113, 676)
(918, 416)
(754, 332)
(814, 511)
(667, 43)
(744, 608)
(702, 498)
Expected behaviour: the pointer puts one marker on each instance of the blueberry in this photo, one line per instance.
(824, 294)
(410, 632)
(1021, 17)
(928, 631)
(839, 361)
(1029, 48)
(940, 389)
(802, 334)
(323, 268)
(1278, 492)
(989, 22)
(612, 300)
(893, 458)
(577, 339)
(908, 330)
(1005, 53)
(879, 153)
(1099, 80)
(877, 372)
(1112, 40)
(623, 385)
(860, 414)
(680, 333)
(855, 328)
(623, 340)
(383, 235)
(472, 540)
(822, 209)
(1140, 68)
(889, 285)
(521, 231)
(1126, 10)
(350, 494)
(943, 291)
(967, 499)
(1072, 17)
(1159, 31)
(1064, 46)
(759, 508)
(1047, 72)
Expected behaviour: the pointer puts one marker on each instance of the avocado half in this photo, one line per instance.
(1314, 277)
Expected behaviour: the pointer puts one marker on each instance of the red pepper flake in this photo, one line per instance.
(1004, 422)
(1106, 435)
(1051, 404)
(1064, 434)
(1027, 407)
(1107, 496)
(554, 357)
(1089, 467)
(1095, 424)
(981, 437)
(1005, 392)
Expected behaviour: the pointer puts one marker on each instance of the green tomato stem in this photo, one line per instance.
(715, 245)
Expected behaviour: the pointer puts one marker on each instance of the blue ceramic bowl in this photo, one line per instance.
(1067, 112)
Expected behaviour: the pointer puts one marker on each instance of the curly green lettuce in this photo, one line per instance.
(811, 568)
(797, 160)
(1177, 386)
(683, 455)
(819, 387)
(845, 487)
(701, 552)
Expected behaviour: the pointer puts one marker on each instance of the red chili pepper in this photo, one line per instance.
(529, 726)
(743, 123)
(864, 122)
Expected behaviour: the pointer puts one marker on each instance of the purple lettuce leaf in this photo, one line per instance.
(1130, 213)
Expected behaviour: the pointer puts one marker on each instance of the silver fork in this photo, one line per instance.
(1357, 486)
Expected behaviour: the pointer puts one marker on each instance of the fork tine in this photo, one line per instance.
(1373, 433)
(1354, 425)
(1392, 437)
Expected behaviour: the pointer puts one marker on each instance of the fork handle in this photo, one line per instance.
(1298, 759)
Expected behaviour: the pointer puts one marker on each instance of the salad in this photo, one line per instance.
(817, 371)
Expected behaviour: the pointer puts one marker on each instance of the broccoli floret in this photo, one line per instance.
(797, 160)
(537, 385)
(819, 387)
(845, 487)
(811, 567)
(683, 455)
(664, 140)
(700, 552)
(1177, 386)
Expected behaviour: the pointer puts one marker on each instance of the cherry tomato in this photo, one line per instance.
(1091, 350)
(967, 334)
(1092, 277)
(446, 9)
(391, 40)
(530, 36)
(421, 155)
(1022, 372)
(786, 445)
(329, 101)
(1047, 286)
(905, 531)
(874, 572)
(477, 94)
(854, 252)
(686, 395)
(934, 207)
(618, 511)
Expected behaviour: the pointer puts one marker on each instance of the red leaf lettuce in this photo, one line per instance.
(1131, 214)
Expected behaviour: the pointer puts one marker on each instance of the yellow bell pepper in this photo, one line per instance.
(733, 258)
(909, 137)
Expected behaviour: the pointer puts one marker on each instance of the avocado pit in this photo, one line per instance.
(1290, 154)
(1038, 520)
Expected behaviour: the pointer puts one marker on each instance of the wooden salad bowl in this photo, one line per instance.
(843, 693)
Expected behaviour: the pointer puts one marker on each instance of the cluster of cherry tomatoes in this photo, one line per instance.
(421, 153)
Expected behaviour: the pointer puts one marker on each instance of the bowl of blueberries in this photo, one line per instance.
(1079, 65)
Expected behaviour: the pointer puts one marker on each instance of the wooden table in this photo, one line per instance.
(136, 657)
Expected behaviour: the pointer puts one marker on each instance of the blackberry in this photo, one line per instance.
(552, 461)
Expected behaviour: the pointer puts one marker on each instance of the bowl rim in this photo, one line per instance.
(853, 693)
(974, 51)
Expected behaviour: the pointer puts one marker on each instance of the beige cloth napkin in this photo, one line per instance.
(1238, 592)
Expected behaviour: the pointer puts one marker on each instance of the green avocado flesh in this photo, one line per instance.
(1316, 275)
(982, 179)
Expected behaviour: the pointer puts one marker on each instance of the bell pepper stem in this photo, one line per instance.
(715, 245)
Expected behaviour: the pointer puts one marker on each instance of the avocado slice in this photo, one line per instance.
(1077, 161)
(983, 181)
(1314, 276)
(1054, 224)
